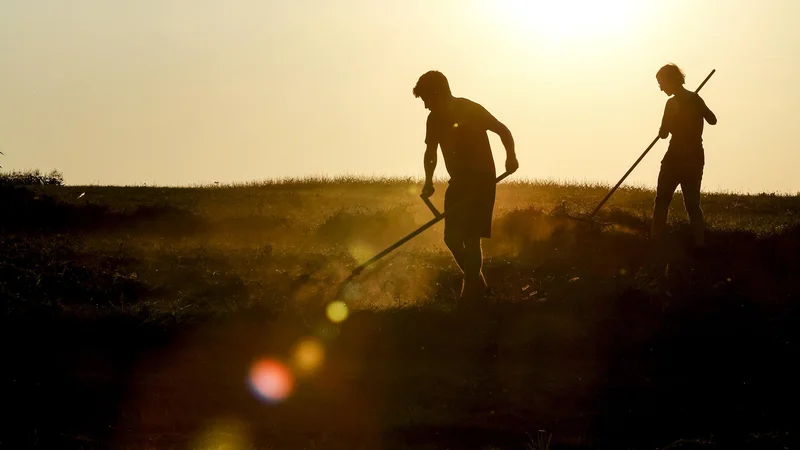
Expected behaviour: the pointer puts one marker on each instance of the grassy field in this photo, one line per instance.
(132, 317)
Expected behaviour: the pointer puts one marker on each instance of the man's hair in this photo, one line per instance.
(431, 83)
(671, 72)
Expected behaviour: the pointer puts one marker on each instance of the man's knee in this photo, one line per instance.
(453, 242)
(472, 243)
(473, 255)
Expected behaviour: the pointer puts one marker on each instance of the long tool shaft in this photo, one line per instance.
(437, 217)
(611, 192)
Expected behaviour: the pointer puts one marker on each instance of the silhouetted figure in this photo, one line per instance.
(459, 126)
(684, 161)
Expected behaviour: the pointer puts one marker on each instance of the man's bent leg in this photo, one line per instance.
(474, 281)
(454, 224)
(456, 246)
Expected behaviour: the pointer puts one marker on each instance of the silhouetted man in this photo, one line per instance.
(459, 126)
(684, 161)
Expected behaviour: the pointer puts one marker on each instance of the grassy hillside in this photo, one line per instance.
(132, 315)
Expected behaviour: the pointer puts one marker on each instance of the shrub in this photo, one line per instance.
(31, 178)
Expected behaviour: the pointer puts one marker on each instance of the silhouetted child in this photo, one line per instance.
(459, 126)
(684, 161)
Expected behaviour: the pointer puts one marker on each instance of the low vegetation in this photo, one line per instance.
(131, 316)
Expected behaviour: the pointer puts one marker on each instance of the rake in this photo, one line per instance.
(590, 218)
(437, 216)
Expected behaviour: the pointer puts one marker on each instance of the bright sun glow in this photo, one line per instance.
(569, 19)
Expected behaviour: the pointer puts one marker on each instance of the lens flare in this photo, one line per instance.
(270, 380)
(360, 251)
(308, 356)
(224, 434)
(337, 312)
(351, 292)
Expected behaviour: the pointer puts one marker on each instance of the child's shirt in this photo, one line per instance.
(684, 119)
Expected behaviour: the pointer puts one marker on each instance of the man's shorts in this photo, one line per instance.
(469, 209)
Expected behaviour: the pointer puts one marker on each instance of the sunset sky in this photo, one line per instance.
(175, 92)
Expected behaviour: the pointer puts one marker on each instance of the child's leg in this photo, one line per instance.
(691, 200)
(667, 183)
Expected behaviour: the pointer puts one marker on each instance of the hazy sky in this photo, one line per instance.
(184, 91)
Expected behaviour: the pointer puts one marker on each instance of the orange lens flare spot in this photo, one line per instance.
(308, 356)
(270, 380)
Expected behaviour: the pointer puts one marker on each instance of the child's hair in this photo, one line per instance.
(671, 72)
(431, 83)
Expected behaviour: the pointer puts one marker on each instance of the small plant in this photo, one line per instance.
(541, 442)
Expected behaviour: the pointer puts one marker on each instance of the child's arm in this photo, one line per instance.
(707, 114)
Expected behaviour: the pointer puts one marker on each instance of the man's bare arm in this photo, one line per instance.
(430, 162)
(508, 142)
(666, 121)
(430, 166)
